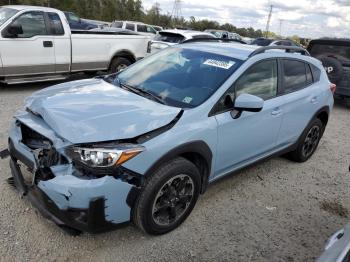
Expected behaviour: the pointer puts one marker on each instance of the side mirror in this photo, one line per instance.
(13, 30)
(249, 103)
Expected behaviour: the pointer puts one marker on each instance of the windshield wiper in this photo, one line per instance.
(142, 92)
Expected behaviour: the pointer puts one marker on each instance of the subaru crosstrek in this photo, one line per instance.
(143, 144)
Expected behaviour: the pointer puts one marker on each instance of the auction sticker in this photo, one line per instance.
(219, 63)
(187, 100)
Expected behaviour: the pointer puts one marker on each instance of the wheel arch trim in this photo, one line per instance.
(125, 53)
(324, 109)
(194, 147)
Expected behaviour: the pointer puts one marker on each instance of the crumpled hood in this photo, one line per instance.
(93, 110)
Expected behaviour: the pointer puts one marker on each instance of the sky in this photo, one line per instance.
(306, 18)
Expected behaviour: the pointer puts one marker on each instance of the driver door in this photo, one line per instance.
(31, 52)
(252, 135)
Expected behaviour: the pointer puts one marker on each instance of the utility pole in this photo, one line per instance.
(176, 13)
(268, 21)
(281, 22)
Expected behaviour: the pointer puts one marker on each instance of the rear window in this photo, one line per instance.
(295, 75)
(142, 28)
(262, 42)
(320, 49)
(169, 37)
(56, 24)
(316, 73)
(202, 36)
(130, 27)
(309, 78)
(117, 24)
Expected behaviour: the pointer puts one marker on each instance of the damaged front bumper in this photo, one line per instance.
(81, 203)
(91, 218)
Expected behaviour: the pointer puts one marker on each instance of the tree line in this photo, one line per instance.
(109, 10)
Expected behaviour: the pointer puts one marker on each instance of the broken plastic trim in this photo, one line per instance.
(92, 219)
(119, 172)
(4, 153)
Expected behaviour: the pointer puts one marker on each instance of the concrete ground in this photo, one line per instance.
(274, 211)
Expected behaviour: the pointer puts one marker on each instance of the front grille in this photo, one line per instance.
(33, 139)
(47, 155)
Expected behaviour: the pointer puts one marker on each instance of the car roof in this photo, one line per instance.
(330, 41)
(186, 33)
(236, 50)
(130, 22)
(30, 7)
(216, 30)
(287, 40)
(219, 30)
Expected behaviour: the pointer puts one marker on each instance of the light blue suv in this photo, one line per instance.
(142, 145)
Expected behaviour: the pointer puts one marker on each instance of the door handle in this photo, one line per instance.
(48, 44)
(314, 100)
(276, 112)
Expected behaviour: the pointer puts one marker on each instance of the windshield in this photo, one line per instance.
(169, 37)
(218, 34)
(73, 17)
(181, 77)
(6, 14)
(261, 42)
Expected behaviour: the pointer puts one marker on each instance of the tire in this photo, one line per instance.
(118, 64)
(308, 142)
(336, 75)
(90, 73)
(152, 211)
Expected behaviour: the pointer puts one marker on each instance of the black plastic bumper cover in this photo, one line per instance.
(90, 220)
(342, 91)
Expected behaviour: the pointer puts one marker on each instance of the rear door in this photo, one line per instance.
(31, 52)
(302, 99)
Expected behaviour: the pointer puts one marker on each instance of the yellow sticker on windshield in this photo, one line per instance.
(218, 63)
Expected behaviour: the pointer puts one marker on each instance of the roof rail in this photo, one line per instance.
(289, 49)
(203, 39)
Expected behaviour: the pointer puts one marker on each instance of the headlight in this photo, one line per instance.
(106, 157)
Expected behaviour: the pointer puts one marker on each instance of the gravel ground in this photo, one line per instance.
(273, 211)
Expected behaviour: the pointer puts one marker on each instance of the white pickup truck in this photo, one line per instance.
(37, 44)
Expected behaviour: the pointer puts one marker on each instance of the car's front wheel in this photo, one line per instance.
(168, 197)
(308, 142)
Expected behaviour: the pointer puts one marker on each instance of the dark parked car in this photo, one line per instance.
(261, 41)
(335, 57)
(77, 23)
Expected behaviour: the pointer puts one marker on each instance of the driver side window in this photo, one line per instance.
(32, 23)
(259, 80)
